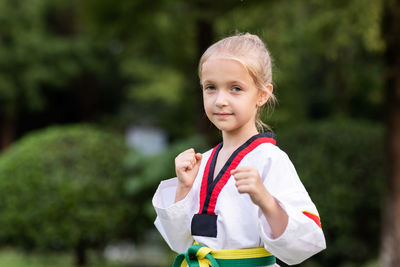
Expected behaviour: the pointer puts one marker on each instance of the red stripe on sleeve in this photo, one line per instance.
(313, 217)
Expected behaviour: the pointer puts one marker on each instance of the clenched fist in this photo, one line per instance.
(248, 181)
(187, 166)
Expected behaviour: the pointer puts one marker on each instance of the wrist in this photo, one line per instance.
(183, 186)
(267, 203)
(182, 191)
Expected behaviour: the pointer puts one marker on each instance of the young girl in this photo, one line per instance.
(241, 203)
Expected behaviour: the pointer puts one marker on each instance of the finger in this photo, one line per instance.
(190, 150)
(193, 161)
(240, 176)
(187, 153)
(198, 156)
(243, 175)
(243, 168)
(183, 156)
(191, 164)
(193, 156)
(246, 187)
(189, 168)
(184, 164)
(241, 183)
(242, 189)
(186, 157)
(196, 168)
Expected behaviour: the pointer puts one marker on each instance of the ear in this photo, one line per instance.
(264, 94)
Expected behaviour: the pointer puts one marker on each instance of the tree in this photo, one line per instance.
(62, 188)
(50, 67)
(390, 247)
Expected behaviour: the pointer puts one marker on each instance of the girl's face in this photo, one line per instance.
(230, 95)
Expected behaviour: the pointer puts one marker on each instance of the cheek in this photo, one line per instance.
(206, 103)
(252, 102)
(250, 108)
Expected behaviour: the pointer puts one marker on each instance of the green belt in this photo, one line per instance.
(201, 256)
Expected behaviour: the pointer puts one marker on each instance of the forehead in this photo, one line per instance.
(224, 68)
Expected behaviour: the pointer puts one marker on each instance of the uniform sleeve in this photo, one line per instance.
(303, 236)
(173, 219)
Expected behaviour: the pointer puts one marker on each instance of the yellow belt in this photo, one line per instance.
(201, 256)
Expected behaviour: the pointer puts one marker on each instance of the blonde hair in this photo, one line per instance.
(252, 53)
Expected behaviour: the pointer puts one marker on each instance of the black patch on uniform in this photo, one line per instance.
(204, 225)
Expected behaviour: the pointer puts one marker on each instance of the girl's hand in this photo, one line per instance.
(187, 166)
(249, 181)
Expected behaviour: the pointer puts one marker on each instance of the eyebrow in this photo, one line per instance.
(230, 82)
(206, 81)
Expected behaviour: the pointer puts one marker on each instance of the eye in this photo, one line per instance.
(236, 89)
(209, 88)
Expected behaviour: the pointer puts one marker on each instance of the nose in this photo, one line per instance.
(221, 99)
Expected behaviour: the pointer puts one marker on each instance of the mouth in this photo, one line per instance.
(223, 114)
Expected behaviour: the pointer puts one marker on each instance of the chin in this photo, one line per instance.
(219, 125)
(226, 129)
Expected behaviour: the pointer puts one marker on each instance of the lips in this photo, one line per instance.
(223, 114)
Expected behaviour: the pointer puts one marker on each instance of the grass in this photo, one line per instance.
(15, 258)
(152, 253)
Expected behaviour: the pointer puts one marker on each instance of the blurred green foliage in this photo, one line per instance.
(52, 69)
(136, 61)
(144, 173)
(16, 258)
(62, 188)
(38, 49)
(341, 163)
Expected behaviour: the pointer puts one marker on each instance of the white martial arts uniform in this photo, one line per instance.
(240, 223)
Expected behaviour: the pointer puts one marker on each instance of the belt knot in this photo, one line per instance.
(196, 255)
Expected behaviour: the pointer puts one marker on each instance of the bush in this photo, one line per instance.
(61, 188)
(341, 164)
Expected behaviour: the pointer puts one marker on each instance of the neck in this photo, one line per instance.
(233, 140)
